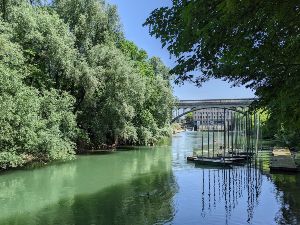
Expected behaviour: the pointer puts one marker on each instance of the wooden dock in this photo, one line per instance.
(282, 160)
(281, 152)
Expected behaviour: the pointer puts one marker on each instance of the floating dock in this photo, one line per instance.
(282, 160)
(281, 152)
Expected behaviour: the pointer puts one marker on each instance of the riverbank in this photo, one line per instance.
(37, 161)
(178, 131)
(176, 128)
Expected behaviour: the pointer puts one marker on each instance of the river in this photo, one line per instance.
(148, 186)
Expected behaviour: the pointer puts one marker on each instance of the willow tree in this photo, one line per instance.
(153, 115)
(34, 124)
(107, 112)
(92, 22)
(66, 79)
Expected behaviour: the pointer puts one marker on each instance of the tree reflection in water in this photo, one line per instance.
(230, 185)
(287, 192)
(146, 200)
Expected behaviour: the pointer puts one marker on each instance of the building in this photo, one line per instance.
(211, 118)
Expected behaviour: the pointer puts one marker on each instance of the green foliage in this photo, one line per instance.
(69, 80)
(154, 118)
(130, 107)
(254, 43)
(189, 118)
(138, 56)
(92, 22)
(47, 45)
(107, 113)
(153, 115)
(32, 123)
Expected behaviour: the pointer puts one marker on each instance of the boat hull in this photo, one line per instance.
(213, 162)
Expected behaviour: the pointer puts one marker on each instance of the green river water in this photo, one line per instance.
(149, 186)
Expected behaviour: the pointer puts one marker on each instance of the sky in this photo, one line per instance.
(133, 14)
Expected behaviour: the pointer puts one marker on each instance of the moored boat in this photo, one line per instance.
(212, 161)
(191, 158)
(235, 158)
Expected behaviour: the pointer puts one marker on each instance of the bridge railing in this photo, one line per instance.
(246, 100)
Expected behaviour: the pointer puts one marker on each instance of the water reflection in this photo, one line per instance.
(287, 192)
(227, 187)
(146, 200)
(242, 195)
(149, 186)
(106, 189)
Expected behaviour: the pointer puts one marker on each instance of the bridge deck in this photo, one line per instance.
(215, 102)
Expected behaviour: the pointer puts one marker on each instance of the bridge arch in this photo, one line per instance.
(235, 109)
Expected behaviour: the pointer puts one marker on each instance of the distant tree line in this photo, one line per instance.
(70, 81)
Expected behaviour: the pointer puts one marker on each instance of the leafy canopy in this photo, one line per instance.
(253, 43)
(70, 82)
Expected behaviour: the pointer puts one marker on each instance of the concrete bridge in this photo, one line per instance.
(186, 106)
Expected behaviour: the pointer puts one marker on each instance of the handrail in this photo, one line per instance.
(216, 101)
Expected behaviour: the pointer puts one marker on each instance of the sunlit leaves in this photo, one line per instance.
(69, 77)
(254, 43)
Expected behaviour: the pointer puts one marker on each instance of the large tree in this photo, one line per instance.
(91, 21)
(68, 76)
(34, 124)
(254, 43)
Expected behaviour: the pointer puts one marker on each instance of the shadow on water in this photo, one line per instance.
(287, 192)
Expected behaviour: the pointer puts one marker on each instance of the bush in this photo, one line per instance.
(36, 123)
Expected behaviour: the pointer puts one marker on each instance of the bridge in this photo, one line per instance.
(184, 107)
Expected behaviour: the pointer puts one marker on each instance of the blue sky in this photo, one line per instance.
(133, 14)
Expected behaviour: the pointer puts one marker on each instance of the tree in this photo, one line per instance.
(139, 57)
(69, 79)
(154, 114)
(34, 125)
(108, 111)
(92, 22)
(254, 43)
(189, 118)
(236, 40)
(47, 47)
